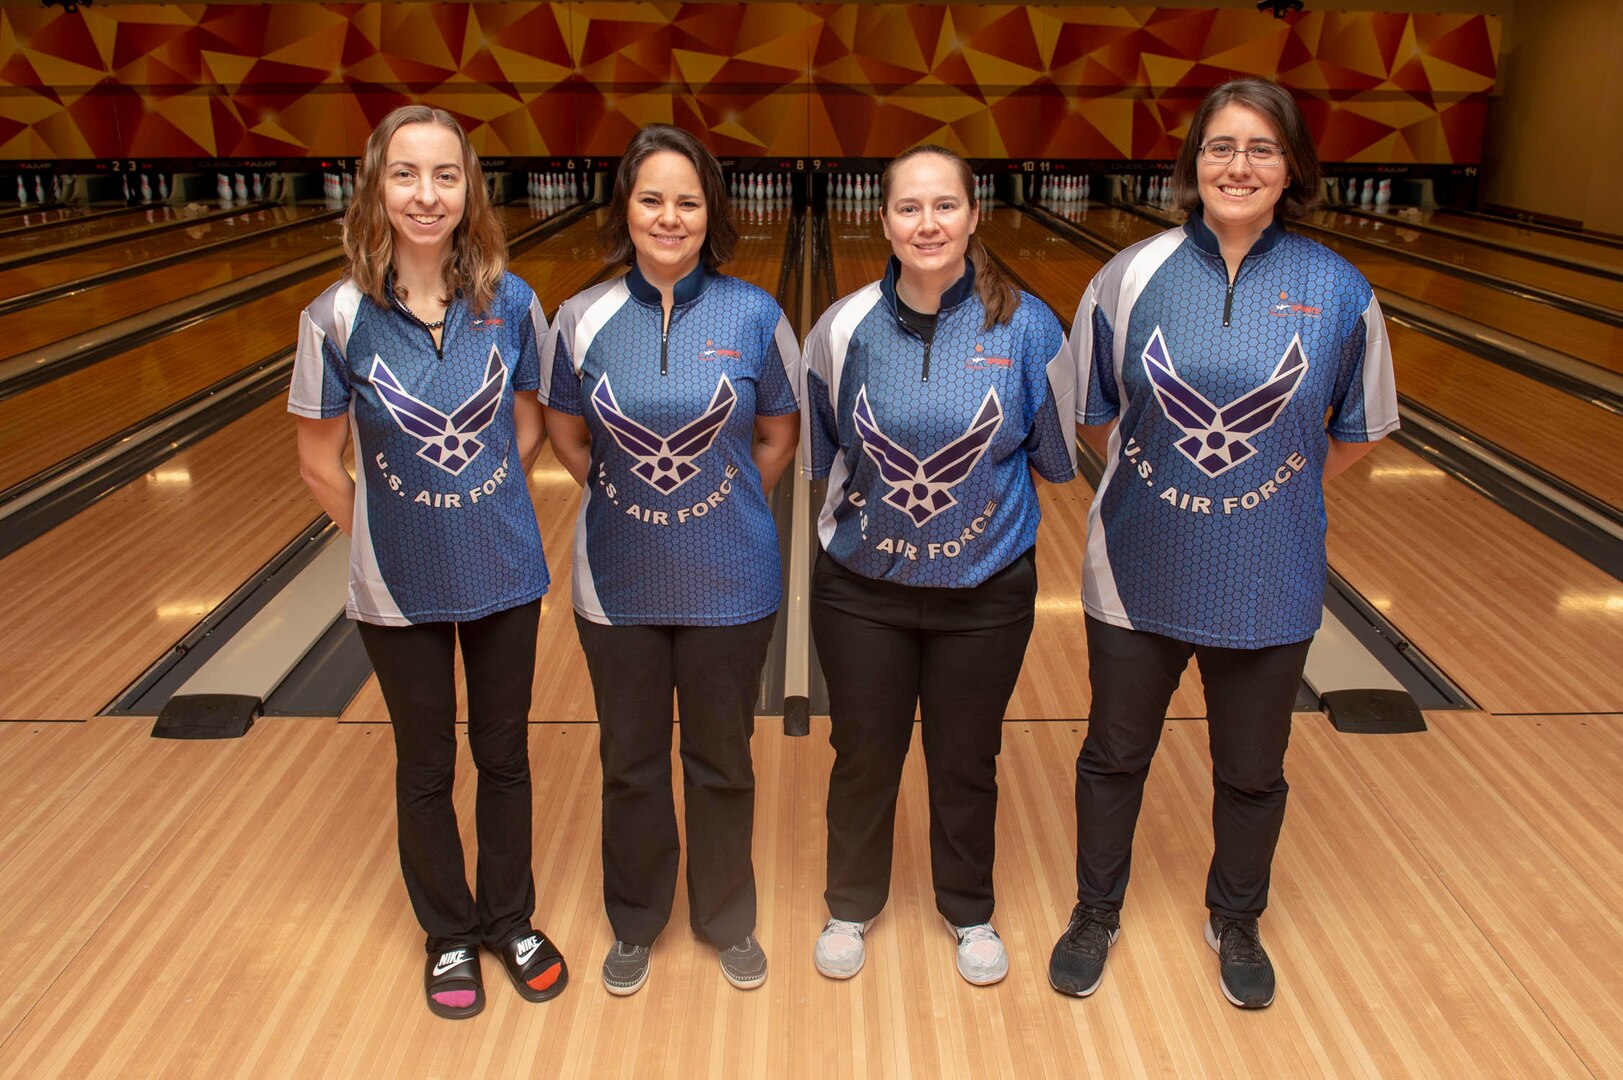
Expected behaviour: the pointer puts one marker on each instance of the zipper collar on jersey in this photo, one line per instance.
(686, 291)
(400, 306)
(1206, 240)
(956, 293)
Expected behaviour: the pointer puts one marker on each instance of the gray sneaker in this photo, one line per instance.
(625, 969)
(744, 964)
(982, 960)
(840, 950)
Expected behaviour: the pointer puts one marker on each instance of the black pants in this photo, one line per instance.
(1249, 695)
(954, 654)
(715, 672)
(415, 671)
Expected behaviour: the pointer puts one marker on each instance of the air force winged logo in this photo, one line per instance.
(448, 440)
(1216, 436)
(665, 462)
(922, 489)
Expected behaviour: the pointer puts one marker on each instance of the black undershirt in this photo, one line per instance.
(921, 324)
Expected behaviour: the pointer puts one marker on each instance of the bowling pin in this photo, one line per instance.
(1383, 193)
(1366, 194)
(163, 187)
(22, 192)
(146, 188)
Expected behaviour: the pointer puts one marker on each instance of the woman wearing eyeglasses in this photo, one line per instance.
(1209, 359)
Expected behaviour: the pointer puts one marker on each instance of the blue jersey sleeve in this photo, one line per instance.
(562, 390)
(1365, 403)
(820, 428)
(777, 392)
(1050, 379)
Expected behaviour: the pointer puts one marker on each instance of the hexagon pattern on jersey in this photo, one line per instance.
(798, 80)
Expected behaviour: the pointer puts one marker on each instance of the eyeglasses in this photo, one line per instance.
(1262, 155)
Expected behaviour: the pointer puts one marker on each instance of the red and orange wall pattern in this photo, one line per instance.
(763, 79)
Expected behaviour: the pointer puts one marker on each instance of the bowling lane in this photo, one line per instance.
(31, 218)
(109, 591)
(141, 247)
(1516, 620)
(25, 241)
(1564, 281)
(1579, 337)
(58, 419)
(563, 688)
(32, 328)
(1470, 227)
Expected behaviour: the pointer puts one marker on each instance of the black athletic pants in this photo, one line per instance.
(954, 654)
(1249, 695)
(415, 671)
(715, 672)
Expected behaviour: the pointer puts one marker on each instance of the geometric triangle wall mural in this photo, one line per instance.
(765, 79)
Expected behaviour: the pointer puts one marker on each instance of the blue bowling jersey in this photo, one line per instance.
(1209, 524)
(673, 529)
(444, 527)
(928, 448)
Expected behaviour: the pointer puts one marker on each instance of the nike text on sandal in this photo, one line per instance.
(453, 983)
(535, 965)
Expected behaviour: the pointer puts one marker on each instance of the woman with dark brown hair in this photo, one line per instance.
(671, 398)
(1209, 358)
(933, 395)
(427, 350)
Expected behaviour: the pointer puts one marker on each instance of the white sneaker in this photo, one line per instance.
(982, 959)
(840, 950)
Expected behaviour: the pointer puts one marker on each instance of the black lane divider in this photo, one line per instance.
(148, 693)
(1576, 520)
(1539, 226)
(1560, 301)
(32, 507)
(824, 292)
(1464, 237)
(769, 698)
(157, 262)
(72, 246)
(328, 676)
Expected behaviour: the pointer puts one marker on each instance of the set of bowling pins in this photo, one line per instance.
(1157, 191)
(854, 188)
(759, 187)
(554, 186)
(233, 188)
(1370, 193)
(1064, 189)
(61, 189)
(142, 189)
(337, 188)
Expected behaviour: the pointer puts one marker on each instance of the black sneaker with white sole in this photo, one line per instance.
(1077, 964)
(625, 969)
(1244, 970)
(744, 964)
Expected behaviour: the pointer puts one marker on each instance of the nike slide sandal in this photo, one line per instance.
(453, 983)
(535, 965)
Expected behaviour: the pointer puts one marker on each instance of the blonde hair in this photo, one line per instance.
(478, 255)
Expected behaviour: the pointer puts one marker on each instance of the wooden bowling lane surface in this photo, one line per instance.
(1565, 281)
(1519, 622)
(139, 248)
(34, 327)
(55, 420)
(1443, 904)
(31, 328)
(19, 219)
(562, 690)
(1535, 241)
(106, 593)
(19, 239)
(1583, 338)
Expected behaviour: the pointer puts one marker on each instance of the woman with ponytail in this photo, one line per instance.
(933, 395)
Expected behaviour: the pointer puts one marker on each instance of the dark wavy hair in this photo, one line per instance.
(996, 292)
(1274, 104)
(478, 254)
(720, 234)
